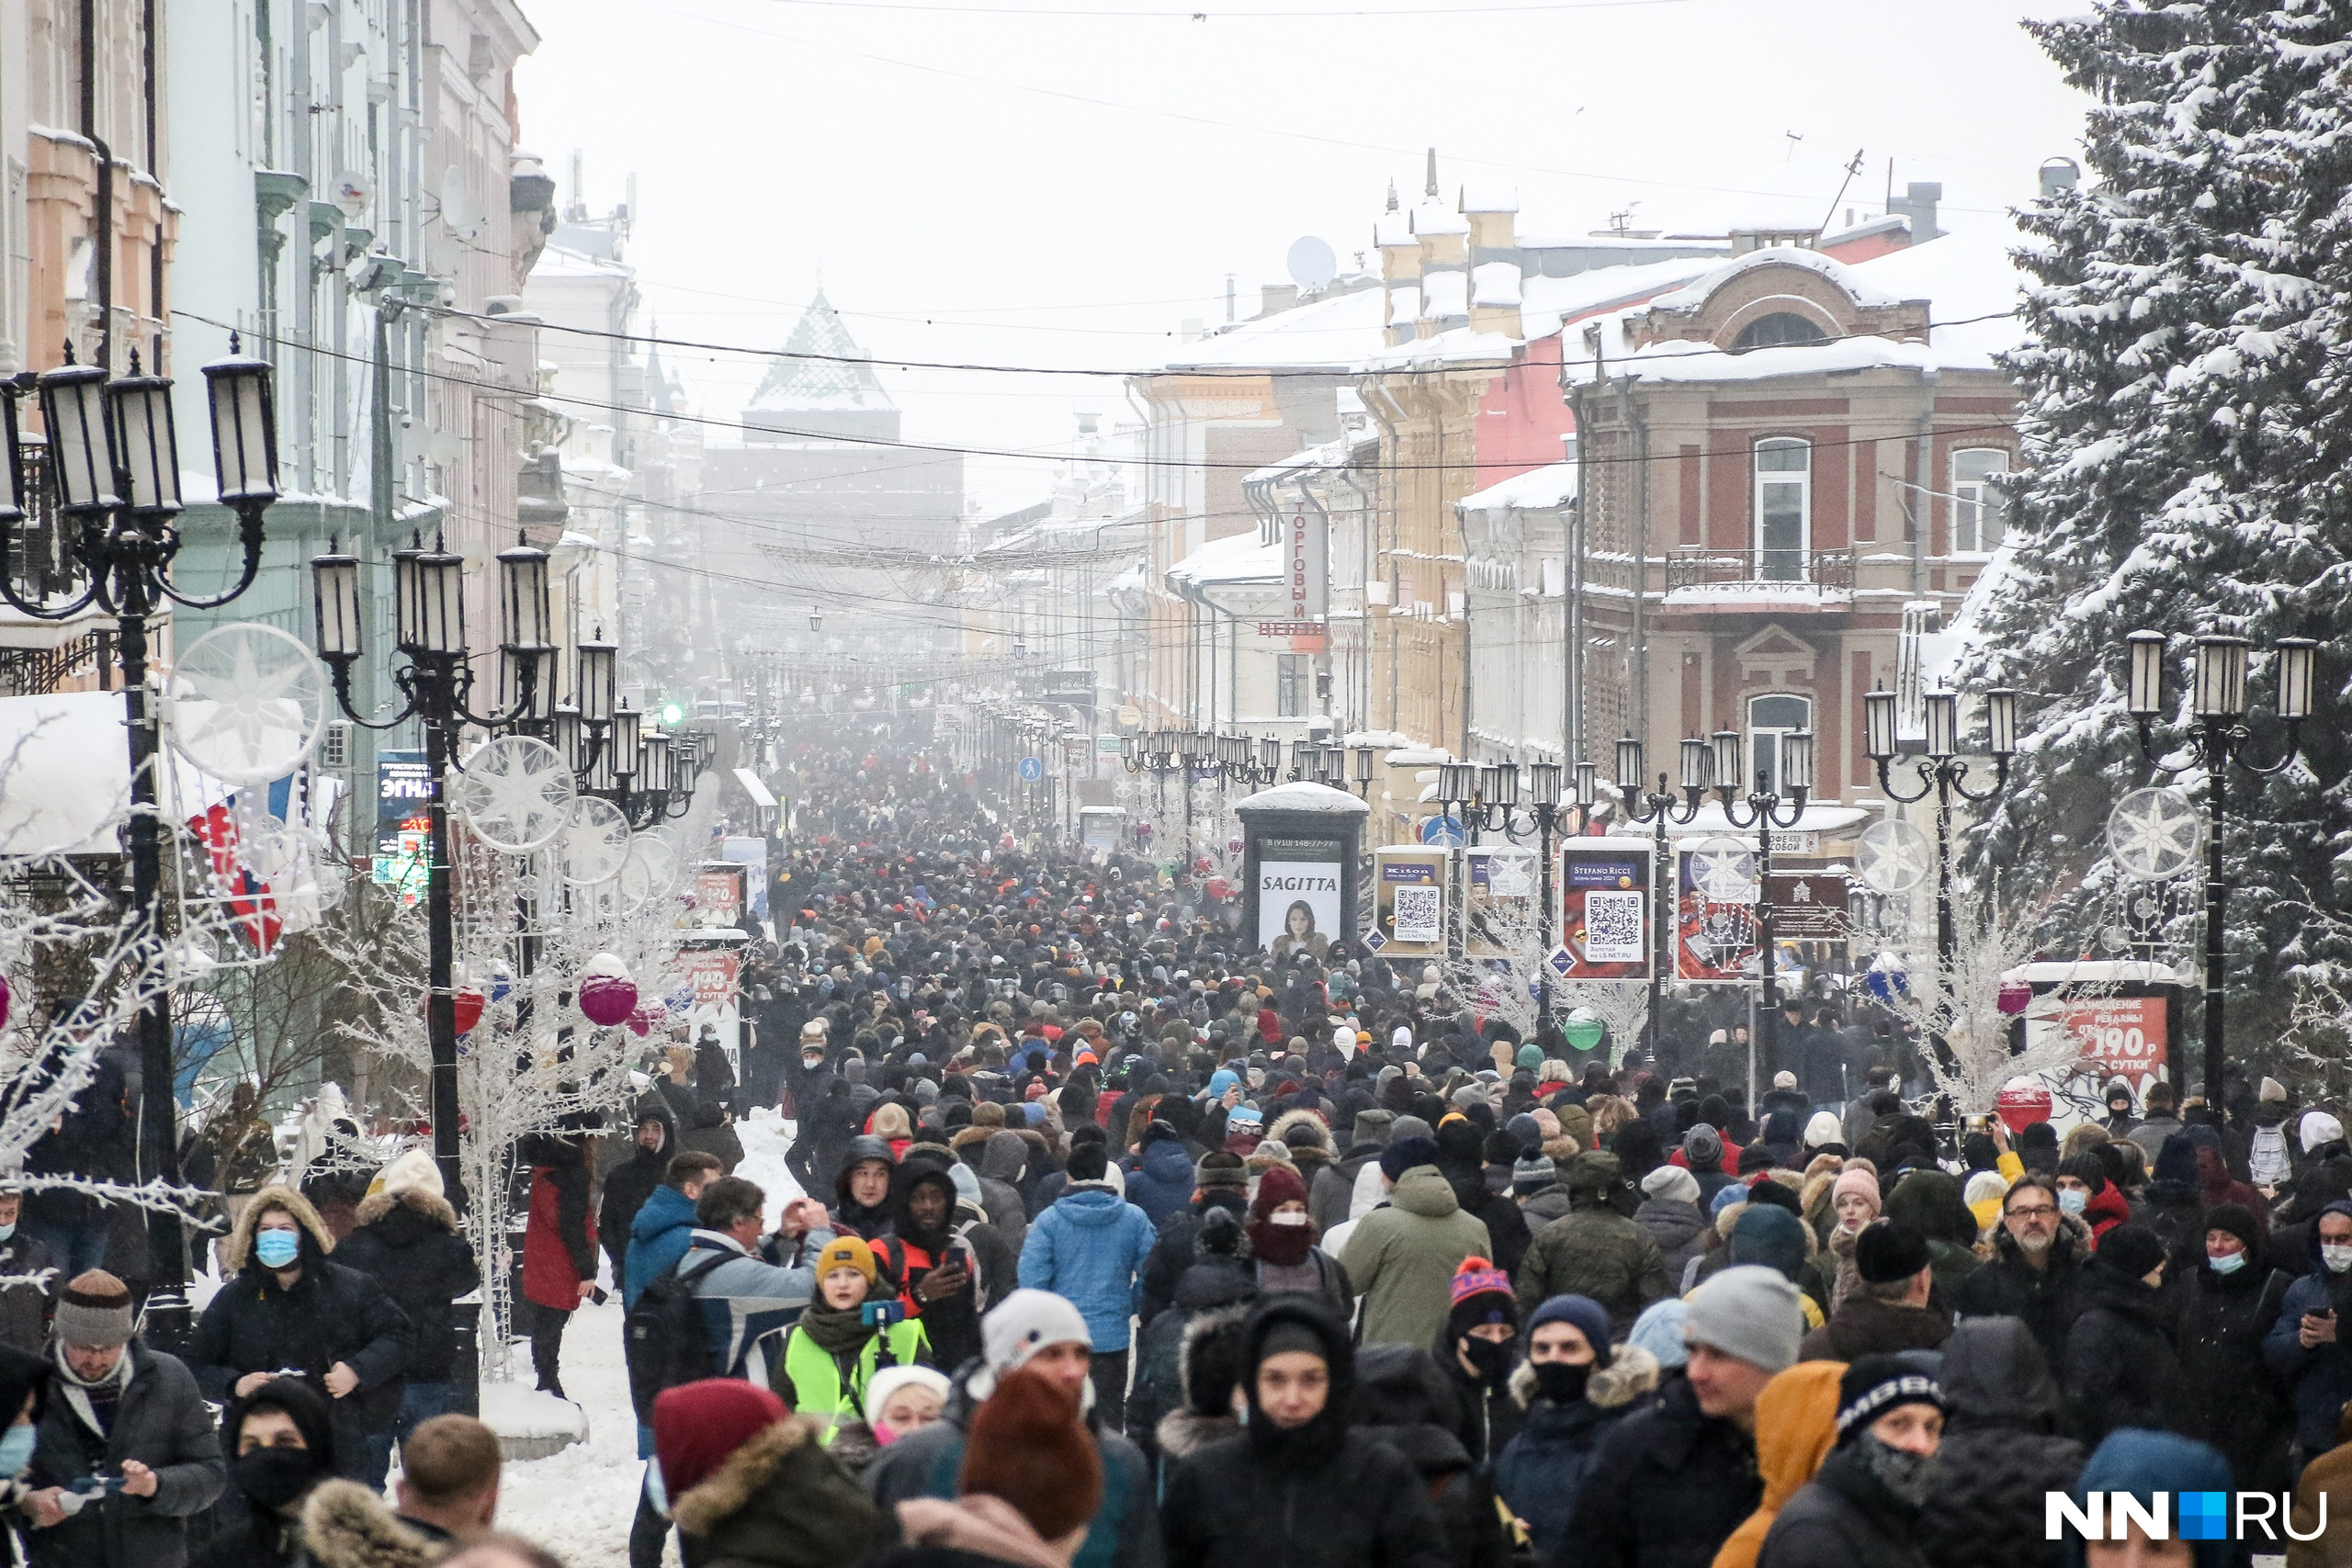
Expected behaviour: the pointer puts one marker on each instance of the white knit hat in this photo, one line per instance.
(413, 1172)
(2319, 1127)
(1825, 1128)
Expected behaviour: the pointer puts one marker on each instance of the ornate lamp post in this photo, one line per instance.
(1942, 772)
(2218, 737)
(114, 458)
(1766, 809)
(1662, 808)
(429, 627)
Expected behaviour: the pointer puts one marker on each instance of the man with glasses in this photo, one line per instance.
(2038, 1254)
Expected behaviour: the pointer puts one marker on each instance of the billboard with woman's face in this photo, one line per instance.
(1298, 895)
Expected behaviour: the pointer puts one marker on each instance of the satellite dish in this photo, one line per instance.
(517, 792)
(596, 844)
(248, 702)
(1311, 263)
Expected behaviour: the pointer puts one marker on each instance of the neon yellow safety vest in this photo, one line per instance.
(817, 1379)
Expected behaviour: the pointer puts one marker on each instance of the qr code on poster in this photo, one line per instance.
(1612, 928)
(1420, 914)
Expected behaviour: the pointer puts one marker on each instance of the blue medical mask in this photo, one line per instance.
(2227, 1263)
(8, 1231)
(17, 1449)
(2074, 1200)
(277, 1248)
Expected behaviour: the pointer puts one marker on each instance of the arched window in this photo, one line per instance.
(1769, 718)
(1979, 511)
(1781, 328)
(1783, 508)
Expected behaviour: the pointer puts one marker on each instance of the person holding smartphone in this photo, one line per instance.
(2307, 1345)
(854, 1328)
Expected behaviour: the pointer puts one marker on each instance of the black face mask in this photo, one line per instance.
(1492, 1360)
(274, 1477)
(1560, 1382)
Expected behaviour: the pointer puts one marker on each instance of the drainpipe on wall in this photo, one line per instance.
(1361, 695)
(1627, 410)
(1575, 567)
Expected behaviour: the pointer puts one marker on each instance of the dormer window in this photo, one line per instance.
(1781, 328)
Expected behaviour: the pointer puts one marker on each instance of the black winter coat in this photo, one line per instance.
(1458, 1489)
(413, 1250)
(1985, 1504)
(1364, 1506)
(2120, 1368)
(1843, 1518)
(1670, 1487)
(2044, 1298)
(2230, 1397)
(1542, 1469)
(333, 1314)
(629, 1184)
(162, 1421)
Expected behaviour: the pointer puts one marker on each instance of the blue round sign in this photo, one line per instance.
(1031, 770)
(1443, 831)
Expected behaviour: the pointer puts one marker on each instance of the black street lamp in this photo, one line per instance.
(1662, 808)
(1942, 772)
(1767, 808)
(429, 627)
(2218, 737)
(114, 460)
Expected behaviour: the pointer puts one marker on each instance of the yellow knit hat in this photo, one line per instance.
(846, 1252)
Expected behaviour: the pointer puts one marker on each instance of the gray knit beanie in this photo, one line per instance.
(1749, 1312)
(94, 1310)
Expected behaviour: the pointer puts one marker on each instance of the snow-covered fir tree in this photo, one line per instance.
(2188, 428)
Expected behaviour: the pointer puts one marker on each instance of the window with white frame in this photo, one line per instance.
(1979, 510)
(1783, 508)
(1293, 673)
(1769, 718)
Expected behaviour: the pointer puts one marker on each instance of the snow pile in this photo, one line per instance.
(579, 1501)
(531, 1424)
(766, 1138)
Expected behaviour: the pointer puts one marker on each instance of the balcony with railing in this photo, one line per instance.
(1776, 579)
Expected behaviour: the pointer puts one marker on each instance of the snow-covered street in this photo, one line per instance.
(578, 1502)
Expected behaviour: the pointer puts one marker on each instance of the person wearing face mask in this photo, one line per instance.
(284, 1307)
(129, 1415)
(2305, 1347)
(1282, 1244)
(24, 1391)
(2085, 1193)
(281, 1441)
(2121, 1366)
(1299, 1485)
(1861, 1509)
(1573, 1390)
(2231, 1398)
(1475, 1351)
(2038, 1255)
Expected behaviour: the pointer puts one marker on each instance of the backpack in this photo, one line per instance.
(663, 1339)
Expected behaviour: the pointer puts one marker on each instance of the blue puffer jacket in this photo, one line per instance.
(657, 1239)
(2320, 1377)
(1087, 1248)
(1161, 1183)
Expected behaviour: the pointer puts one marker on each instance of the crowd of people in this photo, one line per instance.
(1120, 1245)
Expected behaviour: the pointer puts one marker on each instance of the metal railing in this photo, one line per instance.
(1694, 566)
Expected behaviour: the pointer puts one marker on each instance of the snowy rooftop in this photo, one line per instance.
(1336, 334)
(1554, 484)
(1237, 557)
(1962, 277)
(1304, 796)
(1329, 455)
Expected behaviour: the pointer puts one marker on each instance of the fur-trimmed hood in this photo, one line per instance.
(1303, 1118)
(1184, 1433)
(1632, 1373)
(1226, 1320)
(726, 1490)
(2072, 1240)
(240, 1245)
(345, 1525)
(376, 1206)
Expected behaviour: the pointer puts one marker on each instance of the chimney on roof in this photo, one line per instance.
(1429, 186)
(2059, 174)
(1392, 195)
(1274, 298)
(1918, 203)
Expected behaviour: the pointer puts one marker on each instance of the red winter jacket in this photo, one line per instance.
(560, 1239)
